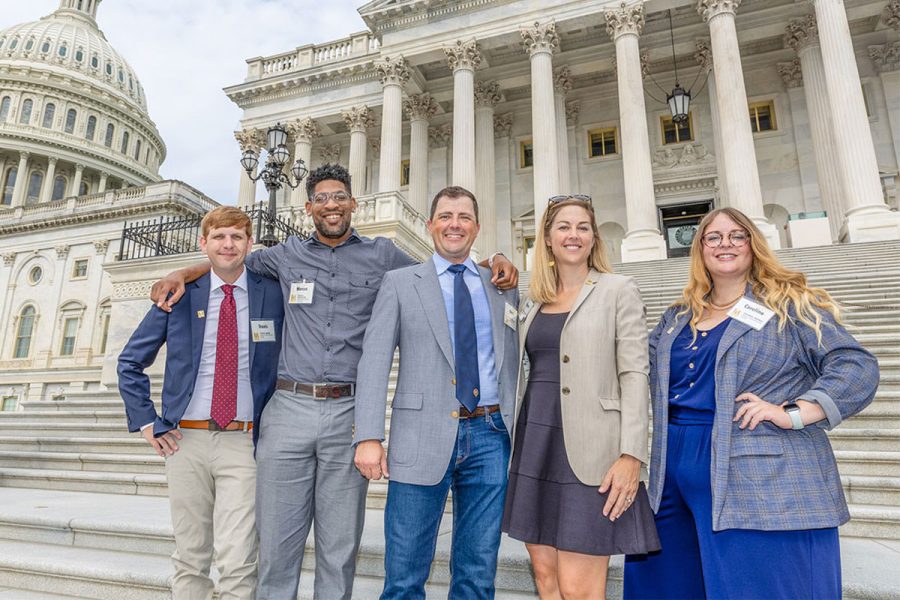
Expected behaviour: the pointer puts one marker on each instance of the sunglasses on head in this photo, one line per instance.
(563, 198)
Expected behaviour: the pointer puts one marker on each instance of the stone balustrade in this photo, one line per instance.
(312, 56)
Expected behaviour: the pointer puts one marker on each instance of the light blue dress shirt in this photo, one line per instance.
(487, 371)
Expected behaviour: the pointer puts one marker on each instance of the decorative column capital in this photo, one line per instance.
(572, 110)
(886, 57)
(503, 125)
(624, 20)
(51, 160)
(62, 251)
(562, 81)
(439, 136)
(801, 33)
(464, 55)
(487, 94)
(79, 167)
(100, 246)
(703, 54)
(420, 106)
(790, 73)
(9, 258)
(359, 118)
(392, 71)
(330, 153)
(891, 15)
(713, 8)
(24, 154)
(250, 139)
(304, 130)
(540, 38)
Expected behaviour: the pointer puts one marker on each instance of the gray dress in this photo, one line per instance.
(545, 502)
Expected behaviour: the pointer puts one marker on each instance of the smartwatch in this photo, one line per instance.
(793, 412)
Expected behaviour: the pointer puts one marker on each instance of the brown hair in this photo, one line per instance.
(454, 191)
(226, 216)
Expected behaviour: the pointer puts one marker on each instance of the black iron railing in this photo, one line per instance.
(165, 236)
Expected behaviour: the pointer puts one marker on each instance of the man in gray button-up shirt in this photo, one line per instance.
(305, 459)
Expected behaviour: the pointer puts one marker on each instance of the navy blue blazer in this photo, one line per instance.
(182, 331)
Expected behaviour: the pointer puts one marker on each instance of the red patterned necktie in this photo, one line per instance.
(224, 395)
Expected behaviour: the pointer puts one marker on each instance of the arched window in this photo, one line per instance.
(125, 143)
(45, 47)
(13, 43)
(4, 108)
(91, 128)
(137, 150)
(25, 117)
(121, 75)
(59, 188)
(95, 62)
(79, 55)
(104, 314)
(110, 131)
(109, 68)
(9, 185)
(71, 117)
(34, 187)
(63, 50)
(49, 112)
(24, 332)
(70, 320)
(29, 44)
(84, 188)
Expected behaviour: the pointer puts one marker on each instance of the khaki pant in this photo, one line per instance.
(212, 483)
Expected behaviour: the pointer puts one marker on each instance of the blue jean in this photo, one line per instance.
(477, 473)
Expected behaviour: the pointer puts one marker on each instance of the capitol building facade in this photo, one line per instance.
(794, 119)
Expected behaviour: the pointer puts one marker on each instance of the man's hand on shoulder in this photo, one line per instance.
(371, 459)
(164, 445)
(166, 292)
(504, 274)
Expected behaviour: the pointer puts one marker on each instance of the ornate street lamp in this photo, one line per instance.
(272, 174)
(679, 99)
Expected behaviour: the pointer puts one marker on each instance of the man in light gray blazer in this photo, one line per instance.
(452, 410)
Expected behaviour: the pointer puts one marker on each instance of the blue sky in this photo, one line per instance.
(186, 51)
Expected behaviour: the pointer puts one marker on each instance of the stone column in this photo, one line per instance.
(562, 84)
(867, 217)
(439, 145)
(358, 120)
(76, 181)
(394, 73)
(487, 96)
(464, 58)
(703, 56)
(643, 240)
(503, 199)
(248, 139)
(886, 60)
(739, 154)
(541, 41)
(18, 198)
(305, 131)
(47, 186)
(419, 108)
(102, 186)
(573, 168)
(801, 35)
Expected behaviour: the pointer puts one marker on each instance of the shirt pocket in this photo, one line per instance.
(363, 290)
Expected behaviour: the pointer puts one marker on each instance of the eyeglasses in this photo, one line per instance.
(563, 198)
(715, 239)
(339, 197)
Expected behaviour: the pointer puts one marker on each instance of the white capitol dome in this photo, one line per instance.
(73, 115)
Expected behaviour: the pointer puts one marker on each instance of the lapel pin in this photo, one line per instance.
(201, 314)
(670, 330)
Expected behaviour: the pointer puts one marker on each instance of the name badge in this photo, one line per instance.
(302, 292)
(751, 313)
(262, 331)
(510, 316)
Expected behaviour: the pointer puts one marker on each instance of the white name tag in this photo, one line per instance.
(262, 331)
(302, 292)
(751, 313)
(510, 316)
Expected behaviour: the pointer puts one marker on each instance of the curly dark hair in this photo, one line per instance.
(327, 171)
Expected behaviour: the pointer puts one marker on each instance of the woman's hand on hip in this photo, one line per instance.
(755, 410)
(621, 481)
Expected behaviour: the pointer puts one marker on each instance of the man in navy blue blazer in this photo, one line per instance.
(221, 368)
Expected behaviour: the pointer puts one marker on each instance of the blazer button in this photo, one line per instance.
(565, 391)
(454, 414)
(453, 381)
(565, 358)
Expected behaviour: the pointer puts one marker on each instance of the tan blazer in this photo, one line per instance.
(603, 369)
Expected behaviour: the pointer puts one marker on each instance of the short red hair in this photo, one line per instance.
(226, 216)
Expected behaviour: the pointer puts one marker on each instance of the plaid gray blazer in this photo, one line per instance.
(769, 478)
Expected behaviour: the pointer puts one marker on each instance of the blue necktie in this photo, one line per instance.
(466, 350)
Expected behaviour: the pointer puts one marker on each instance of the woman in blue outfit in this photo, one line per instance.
(747, 372)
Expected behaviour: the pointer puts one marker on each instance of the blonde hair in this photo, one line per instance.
(544, 277)
(783, 290)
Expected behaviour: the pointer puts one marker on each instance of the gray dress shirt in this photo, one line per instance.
(323, 339)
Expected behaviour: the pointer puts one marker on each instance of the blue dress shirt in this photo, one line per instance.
(487, 371)
(692, 375)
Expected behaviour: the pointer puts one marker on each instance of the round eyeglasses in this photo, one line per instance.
(736, 238)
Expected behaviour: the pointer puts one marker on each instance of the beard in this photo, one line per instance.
(332, 231)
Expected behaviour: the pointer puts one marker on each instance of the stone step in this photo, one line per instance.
(74, 417)
(32, 428)
(92, 405)
(874, 521)
(862, 462)
(84, 461)
(108, 445)
(7, 593)
(878, 415)
(147, 484)
(873, 440)
(862, 490)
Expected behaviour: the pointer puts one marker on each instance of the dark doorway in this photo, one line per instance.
(680, 224)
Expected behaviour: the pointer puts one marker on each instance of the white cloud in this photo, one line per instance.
(186, 51)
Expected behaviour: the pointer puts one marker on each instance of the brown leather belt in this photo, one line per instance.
(213, 426)
(479, 411)
(317, 390)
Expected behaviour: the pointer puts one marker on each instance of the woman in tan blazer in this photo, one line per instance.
(581, 428)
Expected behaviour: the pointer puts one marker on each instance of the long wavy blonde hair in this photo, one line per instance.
(544, 277)
(783, 290)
